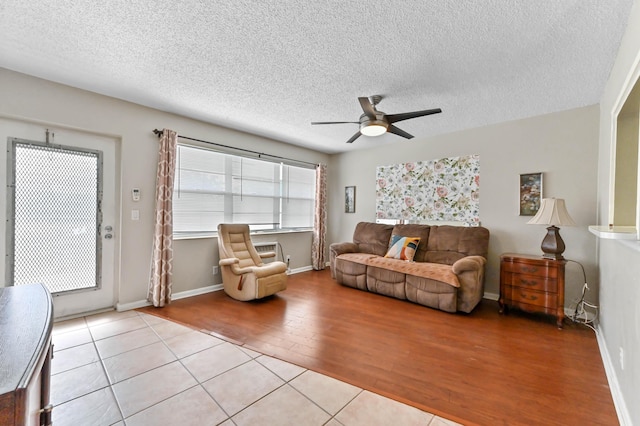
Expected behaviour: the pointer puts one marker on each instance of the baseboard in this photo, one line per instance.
(299, 270)
(618, 400)
(491, 296)
(196, 291)
(175, 296)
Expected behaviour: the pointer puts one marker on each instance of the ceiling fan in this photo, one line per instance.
(375, 123)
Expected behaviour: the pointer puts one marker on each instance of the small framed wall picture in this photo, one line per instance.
(349, 199)
(530, 193)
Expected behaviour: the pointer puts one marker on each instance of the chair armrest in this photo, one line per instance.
(469, 263)
(266, 254)
(229, 261)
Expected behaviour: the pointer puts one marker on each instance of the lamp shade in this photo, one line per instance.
(552, 212)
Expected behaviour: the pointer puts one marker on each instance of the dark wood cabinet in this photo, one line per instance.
(532, 284)
(26, 320)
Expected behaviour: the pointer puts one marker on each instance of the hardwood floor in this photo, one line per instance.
(481, 368)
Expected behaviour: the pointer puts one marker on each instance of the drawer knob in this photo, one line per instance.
(529, 269)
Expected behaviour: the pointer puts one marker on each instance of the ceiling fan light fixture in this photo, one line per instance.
(373, 128)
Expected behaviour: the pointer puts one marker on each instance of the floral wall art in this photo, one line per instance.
(447, 189)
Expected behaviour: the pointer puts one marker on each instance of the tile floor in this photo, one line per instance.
(129, 368)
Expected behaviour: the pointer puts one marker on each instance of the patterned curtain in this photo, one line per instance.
(162, 256)
(318, 248)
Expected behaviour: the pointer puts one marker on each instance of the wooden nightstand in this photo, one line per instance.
(532, 284)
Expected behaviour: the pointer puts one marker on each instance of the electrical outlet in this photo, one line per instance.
(288, 258)
(621, 358)
(215, 270)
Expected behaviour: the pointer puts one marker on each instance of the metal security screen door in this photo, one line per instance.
(55, 198)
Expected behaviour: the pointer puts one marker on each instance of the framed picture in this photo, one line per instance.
(530, 193)
(349, 199)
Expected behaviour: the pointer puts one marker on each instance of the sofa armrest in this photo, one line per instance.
(468, 263)
(339, 248)
(336, 249)
(470, 273)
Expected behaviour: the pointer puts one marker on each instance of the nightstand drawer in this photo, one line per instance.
(532, 282)
(523, 268)
(531, 297)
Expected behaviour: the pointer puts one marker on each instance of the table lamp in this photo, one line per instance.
(552, 212)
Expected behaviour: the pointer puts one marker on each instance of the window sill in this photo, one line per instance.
(614, 232)
(255, 233)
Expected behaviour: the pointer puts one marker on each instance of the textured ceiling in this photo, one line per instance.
(271, 67)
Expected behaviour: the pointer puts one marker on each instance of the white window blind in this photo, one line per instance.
(213, 187)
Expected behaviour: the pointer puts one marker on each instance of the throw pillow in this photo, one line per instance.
(403, 248)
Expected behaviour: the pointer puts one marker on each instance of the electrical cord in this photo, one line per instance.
(580, 314)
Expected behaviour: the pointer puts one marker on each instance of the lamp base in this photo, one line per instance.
(552, 244)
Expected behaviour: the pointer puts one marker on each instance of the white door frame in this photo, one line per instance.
(75, 303)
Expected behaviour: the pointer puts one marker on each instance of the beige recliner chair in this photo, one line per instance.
(244, 275)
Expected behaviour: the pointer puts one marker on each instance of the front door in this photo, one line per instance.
(60, 228)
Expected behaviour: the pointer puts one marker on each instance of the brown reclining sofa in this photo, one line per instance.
(447, 271)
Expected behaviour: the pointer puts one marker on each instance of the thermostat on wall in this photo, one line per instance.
(135, 194)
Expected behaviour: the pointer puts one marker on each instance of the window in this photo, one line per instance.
(212, 188)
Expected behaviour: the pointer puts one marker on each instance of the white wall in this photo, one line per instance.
(619, 261)
(563, 145)
(59, 106)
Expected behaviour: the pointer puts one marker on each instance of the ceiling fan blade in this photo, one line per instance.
(354, 137)
(334, 122)
(368, 109)
(393, 118)
(393, 129)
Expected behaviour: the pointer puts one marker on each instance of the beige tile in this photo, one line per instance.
(98, 408)
(110, 316)
(167, 329)
(71, 339)
(333, 422)
(77, 356)
(228, 423)
(242, 386)
(370, 409)
(124, 342)
(283, 407)
(251, 353)
(77, 382)
(213, 361)
(151, 319)
(330, 394)
(147, 389)
(68, 325)
(137, 361)
(193, 407)
(118, 424)
(284, 370)
(191, 342)
(439, 421)
(113, 328)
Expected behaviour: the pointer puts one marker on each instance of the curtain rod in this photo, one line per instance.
(259, 154)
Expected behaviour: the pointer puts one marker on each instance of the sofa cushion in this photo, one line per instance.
(447, 244)
(372, 237)
(434, 271)
(403, 248)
